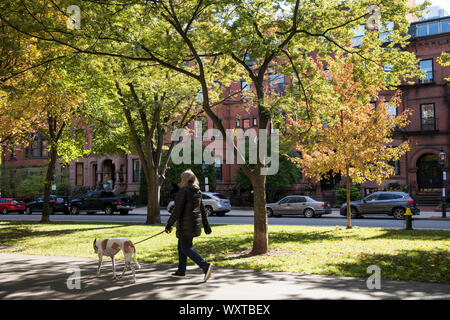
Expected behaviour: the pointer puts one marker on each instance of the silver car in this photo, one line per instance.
(305, 205)
(215, 203)
(384, 202)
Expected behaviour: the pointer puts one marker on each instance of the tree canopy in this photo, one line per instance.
(210, 40)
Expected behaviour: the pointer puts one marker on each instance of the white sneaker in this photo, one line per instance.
(208, 272)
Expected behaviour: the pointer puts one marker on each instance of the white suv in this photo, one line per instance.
(215, 203)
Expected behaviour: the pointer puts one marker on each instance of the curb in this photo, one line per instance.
(323, 217)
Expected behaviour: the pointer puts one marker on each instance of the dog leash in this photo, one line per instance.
(150, 237)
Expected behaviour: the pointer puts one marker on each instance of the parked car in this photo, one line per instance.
(8, 205)
(383, 202)
(215, 203)
(298, 204)
(57, 204)
(101, 201)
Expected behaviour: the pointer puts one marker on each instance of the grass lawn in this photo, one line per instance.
(420, 255)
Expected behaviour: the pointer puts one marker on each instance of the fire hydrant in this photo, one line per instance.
(408, 219)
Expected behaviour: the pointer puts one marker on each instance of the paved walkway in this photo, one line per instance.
(45, 277)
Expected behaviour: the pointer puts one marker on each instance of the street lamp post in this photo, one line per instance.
(442, 162)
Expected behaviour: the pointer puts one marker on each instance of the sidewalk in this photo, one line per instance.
(248, 211)
(45, 277)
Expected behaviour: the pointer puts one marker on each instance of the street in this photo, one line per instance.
(138, 215)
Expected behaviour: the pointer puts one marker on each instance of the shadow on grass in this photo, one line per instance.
(428, 235)
(241, 248)
(235, 247)
(13, 232)
(409, 265)
(230, 247)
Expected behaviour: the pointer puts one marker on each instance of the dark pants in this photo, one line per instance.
(185, 250)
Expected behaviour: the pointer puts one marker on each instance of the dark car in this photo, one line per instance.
(101, 201)
(9, 205)
(383, 202)
(305, 205)
(57, 204)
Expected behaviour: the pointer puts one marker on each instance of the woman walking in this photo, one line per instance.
(190, 215)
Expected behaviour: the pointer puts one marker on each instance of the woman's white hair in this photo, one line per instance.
(186, 177)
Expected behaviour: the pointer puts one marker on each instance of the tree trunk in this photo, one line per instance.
(153, 197)
(347, 187)
(260, 235)
(47, 187)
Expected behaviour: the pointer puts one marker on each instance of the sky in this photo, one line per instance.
(444, 4)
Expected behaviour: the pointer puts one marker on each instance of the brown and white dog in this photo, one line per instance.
(110, 247)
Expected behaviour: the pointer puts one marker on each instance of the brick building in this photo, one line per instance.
(429, 99)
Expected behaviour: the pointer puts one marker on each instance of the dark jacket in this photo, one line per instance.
(189, 212)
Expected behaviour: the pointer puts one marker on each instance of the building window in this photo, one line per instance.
(250, 62)
(425, 29)
(246, 123)
(277, 83)
(272, 79)
(12, 153)
(396, 166)
(422, 30)
(121, 174)
(254, 122)
(38, 148)
(136, 170)
(359, 34)
(294, 82)
(94, 171)
(280, 87)
(218, 168)
(392, 109)
(216, 86)
(427, 67)
(445, 25)
(384, 36)
(238, 123)
(388, 67)
(433, 27)
(357, 41)
(79, 174)
(44, 146)
(427, 117)
(28, 152)
(64, 173)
